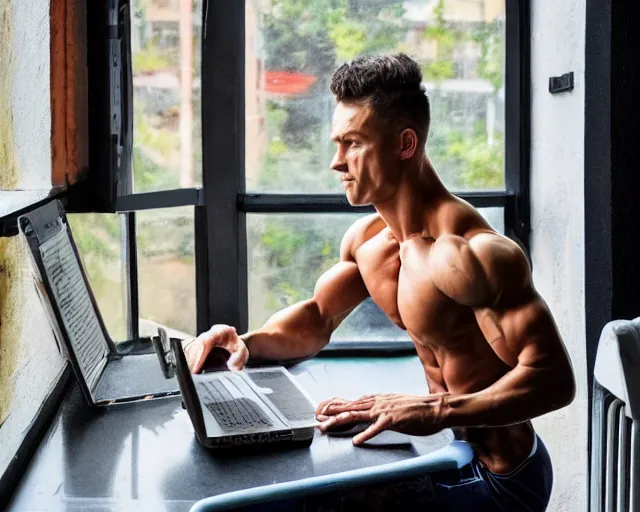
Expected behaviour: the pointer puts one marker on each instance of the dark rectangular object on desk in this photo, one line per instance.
(106, 377)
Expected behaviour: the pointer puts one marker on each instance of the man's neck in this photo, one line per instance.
(407, 211)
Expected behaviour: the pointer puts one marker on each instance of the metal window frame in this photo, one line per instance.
(160, 199)
(127, 206)
(223, 129)
(517, 219)
(129, 250)
(223, 147)
(334, 203)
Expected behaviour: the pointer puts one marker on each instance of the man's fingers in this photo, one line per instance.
(322, 408)
(345, 418)
(337, 408)
(223, 336)
(238, 359)
(380, 425)
(367, 398)
(338, 405)
(195, 356)
(238, 352)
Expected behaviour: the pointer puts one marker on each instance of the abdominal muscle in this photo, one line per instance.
(467, 366)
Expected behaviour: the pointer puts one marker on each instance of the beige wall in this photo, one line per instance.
(29, 359)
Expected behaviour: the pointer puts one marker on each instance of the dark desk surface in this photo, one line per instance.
(144, 456)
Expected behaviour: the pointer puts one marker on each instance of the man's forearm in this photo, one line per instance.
(298, 331)
(520, 395)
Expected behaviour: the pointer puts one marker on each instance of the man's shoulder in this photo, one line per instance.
(462, 225)
(503, 260)
(457, 217)
(486, 245)
(360, 231)
(468, 266)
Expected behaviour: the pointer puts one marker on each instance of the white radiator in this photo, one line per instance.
(615, 440)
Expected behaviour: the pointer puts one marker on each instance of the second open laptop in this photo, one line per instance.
(253, 407)
(105, 375)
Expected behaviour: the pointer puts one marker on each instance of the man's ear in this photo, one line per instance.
(408, 143)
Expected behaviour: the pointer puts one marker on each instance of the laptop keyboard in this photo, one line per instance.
(232, 414)
(286, 396)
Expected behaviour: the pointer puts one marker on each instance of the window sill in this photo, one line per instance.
(342, 348)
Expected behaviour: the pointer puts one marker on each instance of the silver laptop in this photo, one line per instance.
(253, 407)
(106, 373)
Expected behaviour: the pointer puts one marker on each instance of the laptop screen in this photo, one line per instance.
(76, 308)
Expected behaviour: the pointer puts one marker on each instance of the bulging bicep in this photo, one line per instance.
(339, 290)
(523, 332)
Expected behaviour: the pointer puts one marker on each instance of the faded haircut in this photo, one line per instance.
(391, 85)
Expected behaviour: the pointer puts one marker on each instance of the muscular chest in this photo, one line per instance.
(400, 282)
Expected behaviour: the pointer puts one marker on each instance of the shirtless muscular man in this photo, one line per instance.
(491, 351)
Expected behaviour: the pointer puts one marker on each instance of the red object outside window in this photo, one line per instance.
(288, 83)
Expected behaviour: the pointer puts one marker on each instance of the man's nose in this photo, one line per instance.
(339, 163)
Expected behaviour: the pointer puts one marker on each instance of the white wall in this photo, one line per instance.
(29, 359)
(31, 100)
(557, 220)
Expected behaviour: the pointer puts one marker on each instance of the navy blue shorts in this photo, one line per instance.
(525, 489)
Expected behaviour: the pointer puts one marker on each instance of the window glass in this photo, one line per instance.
(293, 47)
(99, 241)
(166, 270)
(167, 140)
(287, 253)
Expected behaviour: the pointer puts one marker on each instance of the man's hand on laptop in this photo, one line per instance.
(198, 349)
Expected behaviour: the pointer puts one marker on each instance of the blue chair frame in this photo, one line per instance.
(453, 456)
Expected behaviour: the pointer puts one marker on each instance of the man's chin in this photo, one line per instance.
(357, 201)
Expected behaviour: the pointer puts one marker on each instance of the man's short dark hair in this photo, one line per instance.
(391, 85)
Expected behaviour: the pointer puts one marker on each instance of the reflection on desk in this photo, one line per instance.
(144, 455)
